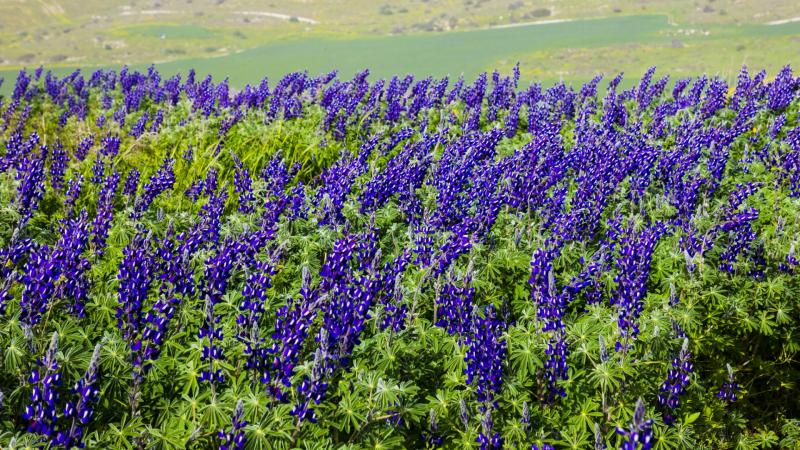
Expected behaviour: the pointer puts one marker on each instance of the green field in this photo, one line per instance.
(470, 52)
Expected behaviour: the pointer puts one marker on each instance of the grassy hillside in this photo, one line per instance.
(249, 39)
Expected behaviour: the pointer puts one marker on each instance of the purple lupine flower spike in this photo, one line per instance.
(243, 185)
(675, 384)
(161, 181)
(599, 441)
(485, 355)
(42, 414)
(463, 413)
(486, 438)
(131, 184)
(432, 438)
(98, 169)
(81, 412)
(730, 388)
(38, 281)
(215, 283)
(135, 276)
(58, 166)
(235, 438)
(73, 192)
(105, 213)
(525, 420)
(639, 436)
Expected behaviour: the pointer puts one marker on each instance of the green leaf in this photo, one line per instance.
(691, 418)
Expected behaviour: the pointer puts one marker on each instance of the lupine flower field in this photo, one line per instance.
(325, 262)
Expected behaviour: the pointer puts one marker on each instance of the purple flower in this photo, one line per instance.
(105, 213)
(351, 293)
(406, 171)
(161, 181)
(110, 145)
(31, 188)
(215, 284)
(791, 261)
(243, 185)
(781, 91)
(454, 305)
(432, 438)
(58, 166)
(195, 190)
(556, 364)
(675, 384)
(210, 182)
(394, 312)
(635, 253)
(639, 436)
(188, 155)
(542, 447)
(73, 192)
(486, 438)
(70, 265)
(234, 439)
(131, 184)
(715, 98)
(776, 126)
(158, 120)
(292, 324)
(730, 387)
(486, 352)
(206, 230)
(81, 412)
(251, 308)
(38, 281)
(140, 126)
(41, 413)
(313, 387)
(175, 274)
(135, 275)
(98, 169)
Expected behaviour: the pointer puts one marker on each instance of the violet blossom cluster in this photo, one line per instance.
(235, 438)
(639, 436)
(730, 388)
(159, 182)
(675, 384)
(215, 282)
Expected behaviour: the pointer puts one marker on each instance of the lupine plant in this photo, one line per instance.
(325, 261)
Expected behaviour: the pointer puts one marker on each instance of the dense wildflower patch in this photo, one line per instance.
(323, 262)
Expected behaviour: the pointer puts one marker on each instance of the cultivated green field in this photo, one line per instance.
(470, 52)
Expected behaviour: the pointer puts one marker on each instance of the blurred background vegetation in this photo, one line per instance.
(568, 40)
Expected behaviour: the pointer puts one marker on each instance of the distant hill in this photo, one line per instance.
(716, 36)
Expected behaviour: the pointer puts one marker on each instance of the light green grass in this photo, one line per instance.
(169, 31)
